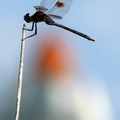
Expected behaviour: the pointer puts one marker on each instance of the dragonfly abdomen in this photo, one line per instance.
(48, 20)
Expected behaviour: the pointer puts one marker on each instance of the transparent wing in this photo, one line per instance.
(60, 8)
(45, 5)
(55, 16)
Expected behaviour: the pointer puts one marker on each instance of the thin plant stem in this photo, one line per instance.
(20, 75)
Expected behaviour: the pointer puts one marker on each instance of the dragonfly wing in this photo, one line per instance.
(60, 8)
(45, 5)
(41, 8)
(55, 16)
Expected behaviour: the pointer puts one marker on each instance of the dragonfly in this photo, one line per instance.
(48, 11)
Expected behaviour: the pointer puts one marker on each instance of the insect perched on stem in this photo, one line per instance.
(47, 11)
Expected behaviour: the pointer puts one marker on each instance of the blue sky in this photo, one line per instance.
(98, 18)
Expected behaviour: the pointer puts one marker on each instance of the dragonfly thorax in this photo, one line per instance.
(36, 17)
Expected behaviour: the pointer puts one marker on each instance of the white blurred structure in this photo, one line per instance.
(73, 100)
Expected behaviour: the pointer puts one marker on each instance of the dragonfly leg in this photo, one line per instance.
(32, 30)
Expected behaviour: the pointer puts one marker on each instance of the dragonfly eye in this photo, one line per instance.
(27, 18)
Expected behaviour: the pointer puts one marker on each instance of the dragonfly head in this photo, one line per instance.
(28, 18)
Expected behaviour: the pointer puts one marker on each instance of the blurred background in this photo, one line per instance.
(65, 76)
